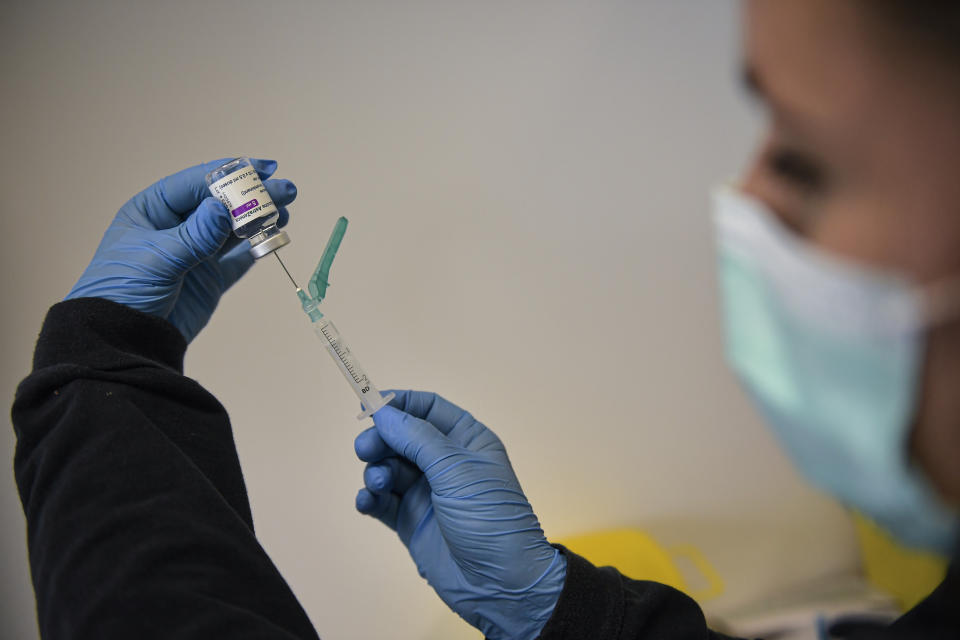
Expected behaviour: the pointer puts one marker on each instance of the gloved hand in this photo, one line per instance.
(443, 482)
(170, 250)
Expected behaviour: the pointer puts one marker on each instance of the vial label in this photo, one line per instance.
(244, 196)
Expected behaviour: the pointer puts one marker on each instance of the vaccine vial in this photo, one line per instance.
(252, 212)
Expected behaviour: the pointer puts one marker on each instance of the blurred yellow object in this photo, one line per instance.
(906, 574)
(637, 555)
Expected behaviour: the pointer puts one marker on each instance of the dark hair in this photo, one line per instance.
(925, 24)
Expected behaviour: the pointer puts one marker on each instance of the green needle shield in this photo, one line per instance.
(321, 276)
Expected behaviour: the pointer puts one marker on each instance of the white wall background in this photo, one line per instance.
(527, 188)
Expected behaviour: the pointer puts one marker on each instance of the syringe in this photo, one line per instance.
(370, 397)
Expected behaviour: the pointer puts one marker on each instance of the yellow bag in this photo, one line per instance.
(636, 555)
(907, 575)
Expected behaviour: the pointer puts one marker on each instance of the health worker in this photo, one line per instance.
(839, 271)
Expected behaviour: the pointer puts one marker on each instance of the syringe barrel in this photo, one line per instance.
(370, 397)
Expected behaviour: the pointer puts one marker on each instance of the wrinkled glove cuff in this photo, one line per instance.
(591, 599)
(521, 614)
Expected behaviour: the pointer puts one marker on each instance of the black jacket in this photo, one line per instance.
(139, 525)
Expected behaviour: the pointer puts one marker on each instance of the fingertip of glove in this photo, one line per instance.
(218, 210)
(362, 443)
(364, 501)
(213, 215)
(387, 416)
(264, 165)
(375, 478)
(399, 397)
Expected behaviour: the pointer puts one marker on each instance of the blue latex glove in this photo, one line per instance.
(170, 250)
(443, 482)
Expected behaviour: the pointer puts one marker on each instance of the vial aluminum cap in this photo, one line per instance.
(269, 245)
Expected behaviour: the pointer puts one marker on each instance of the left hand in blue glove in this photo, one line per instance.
(170, 250)
(443, 482)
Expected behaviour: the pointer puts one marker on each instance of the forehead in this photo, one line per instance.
(832, 76)
(812, 58)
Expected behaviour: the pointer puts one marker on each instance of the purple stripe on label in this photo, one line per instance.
(246, 206)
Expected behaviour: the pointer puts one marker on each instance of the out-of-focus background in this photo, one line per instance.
(527, 187)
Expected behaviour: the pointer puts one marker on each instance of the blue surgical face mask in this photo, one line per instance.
(831, 352)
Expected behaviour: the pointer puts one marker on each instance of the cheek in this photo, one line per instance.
(912, 231)
(899, 203)
(861, 229)
(935, 437)
(931, 233)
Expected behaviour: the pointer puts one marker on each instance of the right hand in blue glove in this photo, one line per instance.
(443, 482)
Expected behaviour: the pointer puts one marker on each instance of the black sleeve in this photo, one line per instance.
(603, 604)
(138, 523)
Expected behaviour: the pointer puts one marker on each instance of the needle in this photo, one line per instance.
(277, 253)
